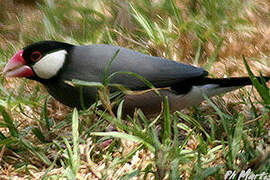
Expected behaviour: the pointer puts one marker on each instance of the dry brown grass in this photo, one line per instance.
(17, 16)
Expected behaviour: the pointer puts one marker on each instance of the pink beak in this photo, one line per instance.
(16, 67)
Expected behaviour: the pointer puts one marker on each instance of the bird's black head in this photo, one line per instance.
(39, 61)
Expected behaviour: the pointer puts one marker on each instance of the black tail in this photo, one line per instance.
(229, 82)
(186, 86)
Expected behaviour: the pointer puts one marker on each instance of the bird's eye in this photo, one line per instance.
(35, 56)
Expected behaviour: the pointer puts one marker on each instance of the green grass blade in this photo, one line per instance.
(39, 135)
(119, 110)
(213, 58)
(75, 139)
(2, 136)
(261, 87)
(146, 25)
(44, 176)
(184, 143)
(198, 53)
(176, 13)
(194, 122)
(76, 82)
(174, 169)
(38, 153)
(125, 136)
(82, 98)
(134, 173)
(143, 118)
(69, 174)
(106, 72)
(175, 132)
(141, 78)
(167, 121)
(44, 115)
(9, 122)
(237, 137)
(69, 152)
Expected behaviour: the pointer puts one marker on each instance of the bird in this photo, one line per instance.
(53, 63)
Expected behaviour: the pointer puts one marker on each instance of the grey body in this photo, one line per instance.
(94, 59)
(184, 84)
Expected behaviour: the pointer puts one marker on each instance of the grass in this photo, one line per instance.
(40, 138)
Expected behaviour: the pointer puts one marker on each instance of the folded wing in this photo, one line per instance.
(93, 60)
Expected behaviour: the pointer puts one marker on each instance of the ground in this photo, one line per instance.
(227, 133)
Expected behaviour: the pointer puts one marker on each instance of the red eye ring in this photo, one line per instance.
(35, 56)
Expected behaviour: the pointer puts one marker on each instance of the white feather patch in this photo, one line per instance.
(49, 65)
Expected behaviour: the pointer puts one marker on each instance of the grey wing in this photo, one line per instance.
(159, 71)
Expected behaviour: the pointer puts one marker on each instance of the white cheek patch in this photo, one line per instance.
(49, 65)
